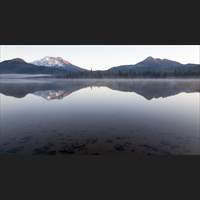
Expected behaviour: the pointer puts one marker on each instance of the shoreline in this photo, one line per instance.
(46, 76)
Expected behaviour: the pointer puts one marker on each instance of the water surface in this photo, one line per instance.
(104, 116)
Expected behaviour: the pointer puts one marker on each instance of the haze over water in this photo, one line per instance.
(104, 116)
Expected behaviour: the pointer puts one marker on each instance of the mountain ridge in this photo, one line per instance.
(20, 66)
(150, 66)
(149, 62)
(156, 67)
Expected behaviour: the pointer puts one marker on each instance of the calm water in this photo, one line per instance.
(57, 116)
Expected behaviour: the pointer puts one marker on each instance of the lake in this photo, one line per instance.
(99, 116)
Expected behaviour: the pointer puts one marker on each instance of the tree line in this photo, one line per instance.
(131, 74)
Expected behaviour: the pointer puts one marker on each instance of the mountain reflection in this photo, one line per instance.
(53, 94)
(59, 88)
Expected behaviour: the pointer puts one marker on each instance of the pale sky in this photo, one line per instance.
(100, 57)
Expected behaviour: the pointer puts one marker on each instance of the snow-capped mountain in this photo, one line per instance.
(47, 65)
(57, 63)
(49, 61)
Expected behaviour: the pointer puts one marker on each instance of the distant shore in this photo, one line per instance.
(22, 76)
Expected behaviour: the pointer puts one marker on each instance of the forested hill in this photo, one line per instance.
(150, 67)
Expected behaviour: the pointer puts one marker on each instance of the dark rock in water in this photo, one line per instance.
(67, 151)
(59, 134)
(15, 150)
(109, 141)
(91, 140)
(25, 139)
(127, 144)
(44, 150)
(149, 147)
(155, 150)
(51, 152)
(78, 146)
(95, 154)
(175, 146)
(39, 151)
(164, 143)
(2, 150)
(119, 147)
